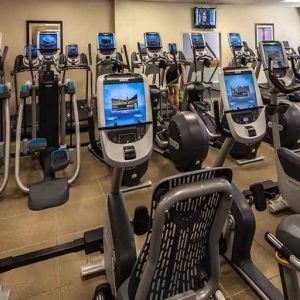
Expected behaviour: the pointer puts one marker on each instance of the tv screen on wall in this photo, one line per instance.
(205, 17)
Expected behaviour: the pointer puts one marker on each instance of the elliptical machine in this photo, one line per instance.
(45, 134)
(182, 137)
(191, 207)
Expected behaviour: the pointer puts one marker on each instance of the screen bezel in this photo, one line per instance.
(47, 51)
(106, 34)
(112, 82)
(205, 26)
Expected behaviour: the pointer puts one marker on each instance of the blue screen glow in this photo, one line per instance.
(205, 17)
(153, 40)
(124, 104)
(73, 50)
(235, 40)
(240, 91)
(34, 53)
(198, 40)
(48, 41)
(106, 41)
(275, 52)
(172, 48)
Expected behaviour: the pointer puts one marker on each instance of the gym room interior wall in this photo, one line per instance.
(82, 20)
(133, 18)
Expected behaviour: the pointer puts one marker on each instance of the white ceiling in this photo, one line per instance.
(254, 2)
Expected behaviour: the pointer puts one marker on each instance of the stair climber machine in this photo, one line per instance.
(46, 93)
(108, 60)
(243, 55)
(182, 137)
(287, 161)
(289, 120)
(188, 212)
(5, 93)
(73, 60)
(245, 114)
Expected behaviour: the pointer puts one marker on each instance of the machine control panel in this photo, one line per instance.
(127, 135)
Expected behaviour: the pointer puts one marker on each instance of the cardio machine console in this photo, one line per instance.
(72, 53)
(106, 44)
(242, 104)
(124, 119)
(274, 50)
(153, 43)
(48, 44)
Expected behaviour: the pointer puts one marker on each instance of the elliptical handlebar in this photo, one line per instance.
(219, 125)
(281, 87)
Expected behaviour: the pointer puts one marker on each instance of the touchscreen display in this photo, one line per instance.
(106, 41)
(240, 91)
(274, 51)
(48, 41)
(235, 40)
(153, 40)
(198, 40)
(34, 53)
(124, 104)
(172, 48)
(72, 50)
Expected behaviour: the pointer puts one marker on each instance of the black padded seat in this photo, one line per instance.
(290, 163)
(288, 232)
(48, 193)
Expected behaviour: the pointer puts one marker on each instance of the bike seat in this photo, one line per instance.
(288, 232)
(290, 163)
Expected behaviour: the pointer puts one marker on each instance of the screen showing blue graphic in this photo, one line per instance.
(235, 40)
(72, 50)
(198, 40)
(34, 53)
(48, 41)
(106, 41)
(240, 91)
(143, 49)
(205, 17)
(153, 40)
(172, 48)
(274, 51)
(124, 104)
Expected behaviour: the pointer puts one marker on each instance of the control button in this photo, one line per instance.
(250, 131)
(129, 153)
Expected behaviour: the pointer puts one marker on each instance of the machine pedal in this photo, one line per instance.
(37, 145)
(59, 160)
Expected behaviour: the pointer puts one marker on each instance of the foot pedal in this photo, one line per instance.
(37, 145)
(59, 160)
(48, 193)
(4, 293)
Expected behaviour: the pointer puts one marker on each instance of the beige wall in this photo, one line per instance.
(82, 20)
(133, 18)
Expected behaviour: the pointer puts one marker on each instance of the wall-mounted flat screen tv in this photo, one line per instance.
(205, 17)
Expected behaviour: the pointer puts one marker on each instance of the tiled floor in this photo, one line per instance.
(22, 230)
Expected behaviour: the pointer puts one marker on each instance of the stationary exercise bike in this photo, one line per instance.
(180, 257)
